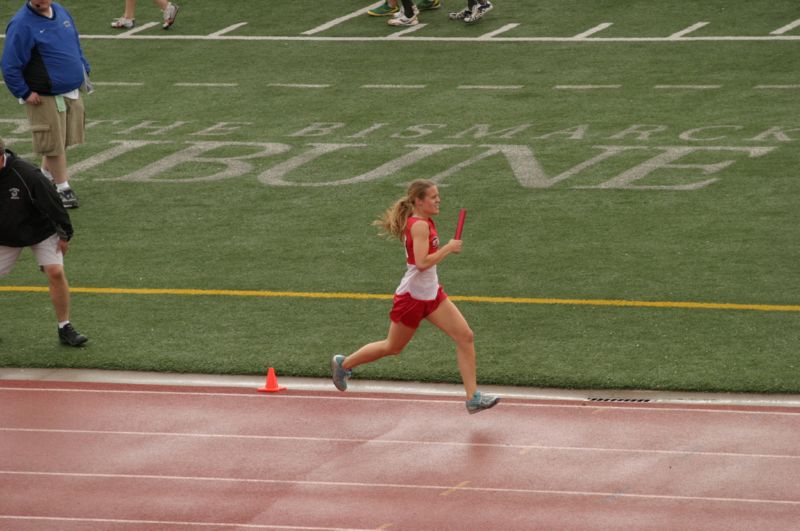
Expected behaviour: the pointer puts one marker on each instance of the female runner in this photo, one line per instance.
(419, 295)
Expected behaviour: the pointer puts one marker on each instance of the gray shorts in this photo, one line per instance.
(46, 252)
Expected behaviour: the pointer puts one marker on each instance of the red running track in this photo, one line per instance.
(105, 456)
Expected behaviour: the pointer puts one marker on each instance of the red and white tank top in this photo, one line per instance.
(422, 285)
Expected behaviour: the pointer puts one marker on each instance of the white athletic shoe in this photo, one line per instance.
(123, 23)
(460, 15)
(475, 13)
(402, 20)
(169, 15)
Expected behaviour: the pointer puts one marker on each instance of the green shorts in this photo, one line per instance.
(53, 130)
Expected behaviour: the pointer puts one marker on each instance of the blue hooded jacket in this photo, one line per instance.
(43, 54)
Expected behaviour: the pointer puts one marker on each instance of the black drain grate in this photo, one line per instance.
(627, 400)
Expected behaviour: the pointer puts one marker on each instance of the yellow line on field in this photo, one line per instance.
(384, 296)
(638, 304)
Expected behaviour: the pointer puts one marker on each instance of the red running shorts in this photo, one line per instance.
(410, 311)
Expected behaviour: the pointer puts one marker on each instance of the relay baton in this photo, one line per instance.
(462, 216)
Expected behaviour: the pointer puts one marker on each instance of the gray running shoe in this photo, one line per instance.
(479, 402)
(339, 373)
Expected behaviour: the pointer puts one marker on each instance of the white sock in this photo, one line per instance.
(62, 324)
(62, 186)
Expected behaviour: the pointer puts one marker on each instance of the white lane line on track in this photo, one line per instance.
(447, 402)
(327, 440)
(360, 485)
(160, 523)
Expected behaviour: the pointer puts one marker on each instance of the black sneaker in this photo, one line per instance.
(70, 336)
(68, 198)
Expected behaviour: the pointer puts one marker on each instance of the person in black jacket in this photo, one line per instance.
(32, 215)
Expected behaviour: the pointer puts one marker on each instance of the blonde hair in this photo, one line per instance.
(393, 222)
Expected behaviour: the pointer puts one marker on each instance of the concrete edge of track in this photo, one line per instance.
(414, 388)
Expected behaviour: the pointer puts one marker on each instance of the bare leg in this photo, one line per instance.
(130, 10)
(57, 166)
(449, 319)
(397, 339)
(162, 4)
(59, 290)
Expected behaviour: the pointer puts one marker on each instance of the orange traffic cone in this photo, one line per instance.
(272, 383)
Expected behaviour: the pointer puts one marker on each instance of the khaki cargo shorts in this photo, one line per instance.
(53, 130)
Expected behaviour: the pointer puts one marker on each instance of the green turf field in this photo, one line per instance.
(627, 151)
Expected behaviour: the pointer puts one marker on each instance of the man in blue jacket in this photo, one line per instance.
(31, 215)
(44, 67)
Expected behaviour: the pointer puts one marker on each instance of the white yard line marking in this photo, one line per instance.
(586, 87)
(117, 84)
(354, 397)
(690, 29)
(136, 30)
(223, 31)
(592, 31)
(363, 485)
(490, 87)
(487, 36)
(778, 87)
(407, 443)
(393, 86)
(298, 85)
(788, 27)
(160, 523)
(316, 38)
(688, 87)
(406, 31)
(227, 85)
(337, 21)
